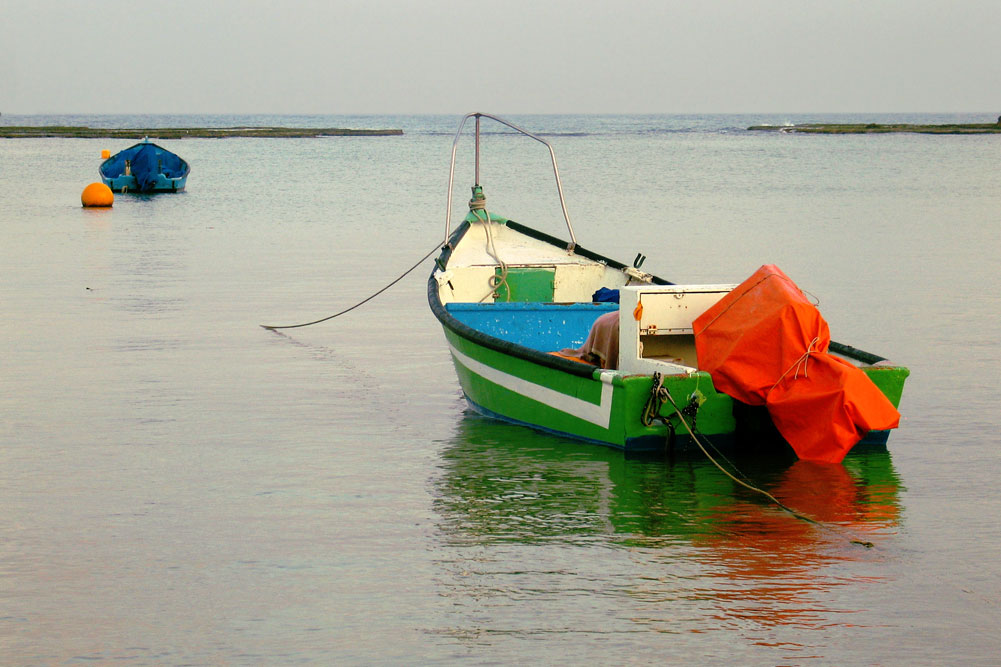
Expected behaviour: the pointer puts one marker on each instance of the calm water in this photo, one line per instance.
(180, 486)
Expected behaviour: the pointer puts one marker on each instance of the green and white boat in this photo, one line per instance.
(510, 298)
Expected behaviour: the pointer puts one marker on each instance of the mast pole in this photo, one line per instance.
(476, 181)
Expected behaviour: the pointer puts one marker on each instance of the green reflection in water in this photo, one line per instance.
(540, 536)
(500, 482)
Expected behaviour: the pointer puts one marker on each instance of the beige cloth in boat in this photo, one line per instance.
(602, 345)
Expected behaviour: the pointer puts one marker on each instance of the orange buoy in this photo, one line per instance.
(97, 194)
(105, 154)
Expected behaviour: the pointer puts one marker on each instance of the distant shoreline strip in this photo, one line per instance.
(71, 132)
(876, 128)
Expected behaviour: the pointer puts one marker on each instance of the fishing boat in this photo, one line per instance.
(550, 335)
(144, 167)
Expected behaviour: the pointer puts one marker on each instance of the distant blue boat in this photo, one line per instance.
(144, 167)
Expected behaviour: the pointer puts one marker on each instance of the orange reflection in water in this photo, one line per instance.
(771, 568)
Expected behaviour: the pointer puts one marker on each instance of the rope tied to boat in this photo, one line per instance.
(476, 204)
(363, 301)
(478, 200)
(651, 412)
(800, 363)
(660, 395)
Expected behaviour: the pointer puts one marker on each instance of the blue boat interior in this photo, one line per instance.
(146, 161)
(541, 326)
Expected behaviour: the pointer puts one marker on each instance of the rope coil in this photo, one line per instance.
(494, 281)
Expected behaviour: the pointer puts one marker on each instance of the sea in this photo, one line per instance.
(180, 486)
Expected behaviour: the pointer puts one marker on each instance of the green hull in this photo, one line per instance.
(606, 407)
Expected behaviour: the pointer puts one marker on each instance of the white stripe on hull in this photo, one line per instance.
(598, 415)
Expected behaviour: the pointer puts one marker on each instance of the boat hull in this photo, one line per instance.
(608, 408)
(601, 407)
(144, 167)
(123, 184)
(504, 373)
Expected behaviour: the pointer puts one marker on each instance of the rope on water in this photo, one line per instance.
(363, 301)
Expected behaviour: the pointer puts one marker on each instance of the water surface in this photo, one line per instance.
(181, 486)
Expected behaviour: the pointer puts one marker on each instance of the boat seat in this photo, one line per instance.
(540, 326)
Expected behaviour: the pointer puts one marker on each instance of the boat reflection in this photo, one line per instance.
(657, 534)
(501, 482)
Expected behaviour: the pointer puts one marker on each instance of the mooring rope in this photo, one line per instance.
(651, 412)
(495, 281)
(659, 389)
(363, 301)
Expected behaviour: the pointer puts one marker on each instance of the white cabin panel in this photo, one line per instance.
(662, 339)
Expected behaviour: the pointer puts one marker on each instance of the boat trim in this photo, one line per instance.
(599, 414)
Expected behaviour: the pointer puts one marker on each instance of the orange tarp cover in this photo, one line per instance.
(766, 344)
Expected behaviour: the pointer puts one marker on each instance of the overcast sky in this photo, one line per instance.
(516, 56)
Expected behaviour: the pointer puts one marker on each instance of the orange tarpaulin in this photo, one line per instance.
(766, 344)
